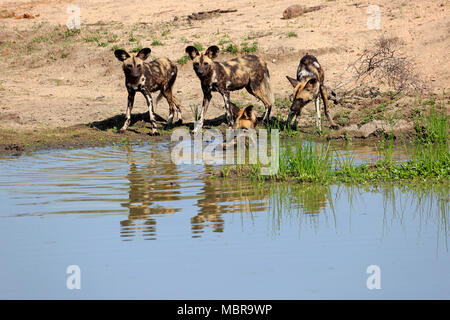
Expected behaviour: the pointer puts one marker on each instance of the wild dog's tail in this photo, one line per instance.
(173, 76)
(158, 98)
(174, 72)
(267, 87)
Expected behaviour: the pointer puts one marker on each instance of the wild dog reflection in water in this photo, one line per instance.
(220, 197)
(150, 186)
(156, 180)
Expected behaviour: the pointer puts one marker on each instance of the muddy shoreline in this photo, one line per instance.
(17, 142)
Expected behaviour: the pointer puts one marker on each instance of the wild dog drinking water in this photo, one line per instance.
(148, 77)
(309, 86)
(245, 120)
(249, 72)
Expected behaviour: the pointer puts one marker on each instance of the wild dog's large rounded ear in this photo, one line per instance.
(293, 81)
(144, 53)
(212, 52)
(192, 52)
(121, 54)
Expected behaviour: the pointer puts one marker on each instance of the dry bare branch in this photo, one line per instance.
(380, 67)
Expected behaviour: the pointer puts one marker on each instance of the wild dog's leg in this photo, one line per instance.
(170, 100)
(259, 94)
(206, 99)
(226, 100)
(292, 115)
(267, 112)
(148, 98)
(323, 93)
(318, 117)
(178, 106)
(131, 94)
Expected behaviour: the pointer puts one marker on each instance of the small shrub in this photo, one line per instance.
(136, 49)
(116, 47)
(71, 32)
(183, 60)
(198, 46)
(157, 43)
(291, 34)
(132, 38)
(231, 48)
(246, 49)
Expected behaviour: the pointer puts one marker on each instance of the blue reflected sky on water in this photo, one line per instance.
(141, 227)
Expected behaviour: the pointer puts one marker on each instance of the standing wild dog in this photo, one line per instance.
(249, 72)
(148, 77)
(307, 87)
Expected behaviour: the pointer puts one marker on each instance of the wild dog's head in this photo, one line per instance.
(246, 118)
(305, 90)
(133, 64)
(203, 62)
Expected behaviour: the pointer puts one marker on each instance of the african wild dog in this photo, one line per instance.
(249, 72)
(307, 87)
(245, 120)
(148, 77)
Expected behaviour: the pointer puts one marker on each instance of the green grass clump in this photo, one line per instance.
(183, 60)
(225, 39)
(245, 48)
(116, 47)
(279, 123)
(132, 38)
(198, 46)
(432, 164)
(101, 38)
(306, 162)
(157, 43)
(136, 49)
(291, 34)
(433, 127)
(342, 118)
(232, 48)
(372, 114)
(309, 162)
(71, 33)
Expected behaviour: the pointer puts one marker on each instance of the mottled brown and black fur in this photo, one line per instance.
(148, 77)
(309, 86)
(249, 72)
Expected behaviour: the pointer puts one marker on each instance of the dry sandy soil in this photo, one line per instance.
(50, 78)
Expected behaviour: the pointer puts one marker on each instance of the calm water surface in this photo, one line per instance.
(139, 226)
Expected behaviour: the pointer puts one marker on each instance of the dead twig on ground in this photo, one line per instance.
(208, 14)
